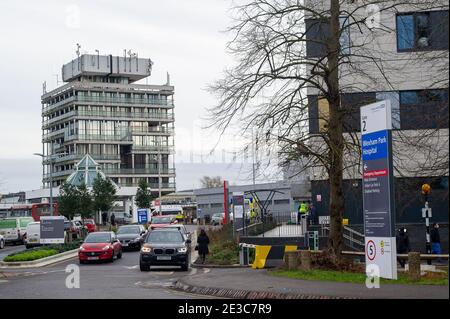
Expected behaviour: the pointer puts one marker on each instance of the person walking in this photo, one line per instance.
(435, 240)
(202, 244)
(104, 218)
(312, 214)
(402, 245)
(113, 219)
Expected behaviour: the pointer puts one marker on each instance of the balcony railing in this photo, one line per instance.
(153, 148)
(141, 171)
(153, 186)
(155, 116)
(123, 100)
(99, 137)
(154, 129)
(78, 157)
(109, 100)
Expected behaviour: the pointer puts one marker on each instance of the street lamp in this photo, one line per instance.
(51, 157)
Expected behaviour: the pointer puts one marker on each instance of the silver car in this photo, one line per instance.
(2, 242)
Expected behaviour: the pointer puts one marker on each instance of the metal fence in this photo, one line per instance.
(280, 224)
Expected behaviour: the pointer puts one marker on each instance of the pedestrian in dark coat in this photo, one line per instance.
(435, 241)
(402, 245)
(202, 243)
(113, 219)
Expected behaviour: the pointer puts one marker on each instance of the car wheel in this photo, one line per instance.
(185, 267)
(144, 267)
(2, 244)
(119, 255)
(81, 261)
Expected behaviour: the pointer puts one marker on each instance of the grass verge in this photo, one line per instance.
(360, 278)
(41, 252)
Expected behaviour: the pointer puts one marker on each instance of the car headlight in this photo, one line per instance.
(182, 250)
(82, 249)
(106, 247)
(146, 249)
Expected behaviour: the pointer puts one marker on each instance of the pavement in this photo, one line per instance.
(243, 280)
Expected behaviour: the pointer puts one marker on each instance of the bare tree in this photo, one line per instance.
(211, 182)
(288, 50)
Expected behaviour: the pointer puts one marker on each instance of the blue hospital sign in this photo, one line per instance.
(378, 195)
(142, 216)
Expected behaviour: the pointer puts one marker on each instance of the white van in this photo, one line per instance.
(14, 229)
(33, 235)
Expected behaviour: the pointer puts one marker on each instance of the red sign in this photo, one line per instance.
(376, 173)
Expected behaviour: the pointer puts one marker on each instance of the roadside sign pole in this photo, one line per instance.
(378, 188)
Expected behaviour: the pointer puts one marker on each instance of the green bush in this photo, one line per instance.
(31, 255)
(41, 252)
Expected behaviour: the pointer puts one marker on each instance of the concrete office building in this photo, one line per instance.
(412, 49)
(127, 128)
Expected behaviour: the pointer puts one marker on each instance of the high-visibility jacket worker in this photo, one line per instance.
(303, 208)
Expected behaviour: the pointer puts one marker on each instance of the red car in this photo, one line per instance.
(163, 220)
(90, 225)
(100, 246)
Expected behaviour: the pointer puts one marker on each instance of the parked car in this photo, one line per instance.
(217, 219)
(72, 228)
(131, 236)
(90, 225)
(100, 246)
(123, 218)
(165, 247)
(14, 229)
(33, 235)
(163, 220)
(2, 242)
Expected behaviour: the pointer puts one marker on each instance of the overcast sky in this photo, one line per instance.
(184, 38)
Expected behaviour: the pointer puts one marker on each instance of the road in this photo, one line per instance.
(120, 279)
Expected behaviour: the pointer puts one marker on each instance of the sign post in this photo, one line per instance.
(378, 188)
(142, 216)
(52, 230)
(238, 210)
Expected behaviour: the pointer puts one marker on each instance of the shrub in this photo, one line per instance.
(31, 255)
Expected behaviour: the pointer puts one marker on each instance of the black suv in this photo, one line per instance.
(165, 247)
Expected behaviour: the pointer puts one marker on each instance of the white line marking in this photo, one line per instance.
(206, 270)
(131, 267)
(192, 272)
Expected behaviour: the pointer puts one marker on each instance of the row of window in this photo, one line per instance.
(411, 110)
(415, 31)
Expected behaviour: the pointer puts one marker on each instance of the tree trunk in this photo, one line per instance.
(335, 129)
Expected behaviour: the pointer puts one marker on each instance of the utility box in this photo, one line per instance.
(312, 240)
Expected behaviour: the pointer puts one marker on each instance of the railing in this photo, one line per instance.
(99, 137)
(355, 239)
(112, 100)
(156, 116)
(277, 224)
(77, 157)
(132, 171)
(124, 100)
(153, 148)
(156, 129)
(153, 186)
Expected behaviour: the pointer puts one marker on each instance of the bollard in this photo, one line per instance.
(414, 266)
(305, 260)
(291, 259)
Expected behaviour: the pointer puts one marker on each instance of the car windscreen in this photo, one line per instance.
(161, 220)
(168, 236)
(128, 230)
(98, 238)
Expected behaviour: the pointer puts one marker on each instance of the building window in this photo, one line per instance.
(422, 31)
(318, 34)
(424, 109)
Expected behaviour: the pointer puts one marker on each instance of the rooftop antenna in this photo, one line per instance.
(130, 55)
(98, 59)
(44, 87)
(78, 55)
(168, 79)
(57, 79)
(125, 60)
(149, 68)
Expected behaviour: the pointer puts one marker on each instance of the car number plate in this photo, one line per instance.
(32, 240)
(163, 258)
(92, 258)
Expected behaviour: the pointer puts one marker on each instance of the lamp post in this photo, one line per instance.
(51, 157)
(426, 213)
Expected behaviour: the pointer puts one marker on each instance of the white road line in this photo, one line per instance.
(192, 272)
(131, 267)
(206, 270)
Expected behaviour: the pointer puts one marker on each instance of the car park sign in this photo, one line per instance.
(378, 192)
(142, 216)
(52, 230)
